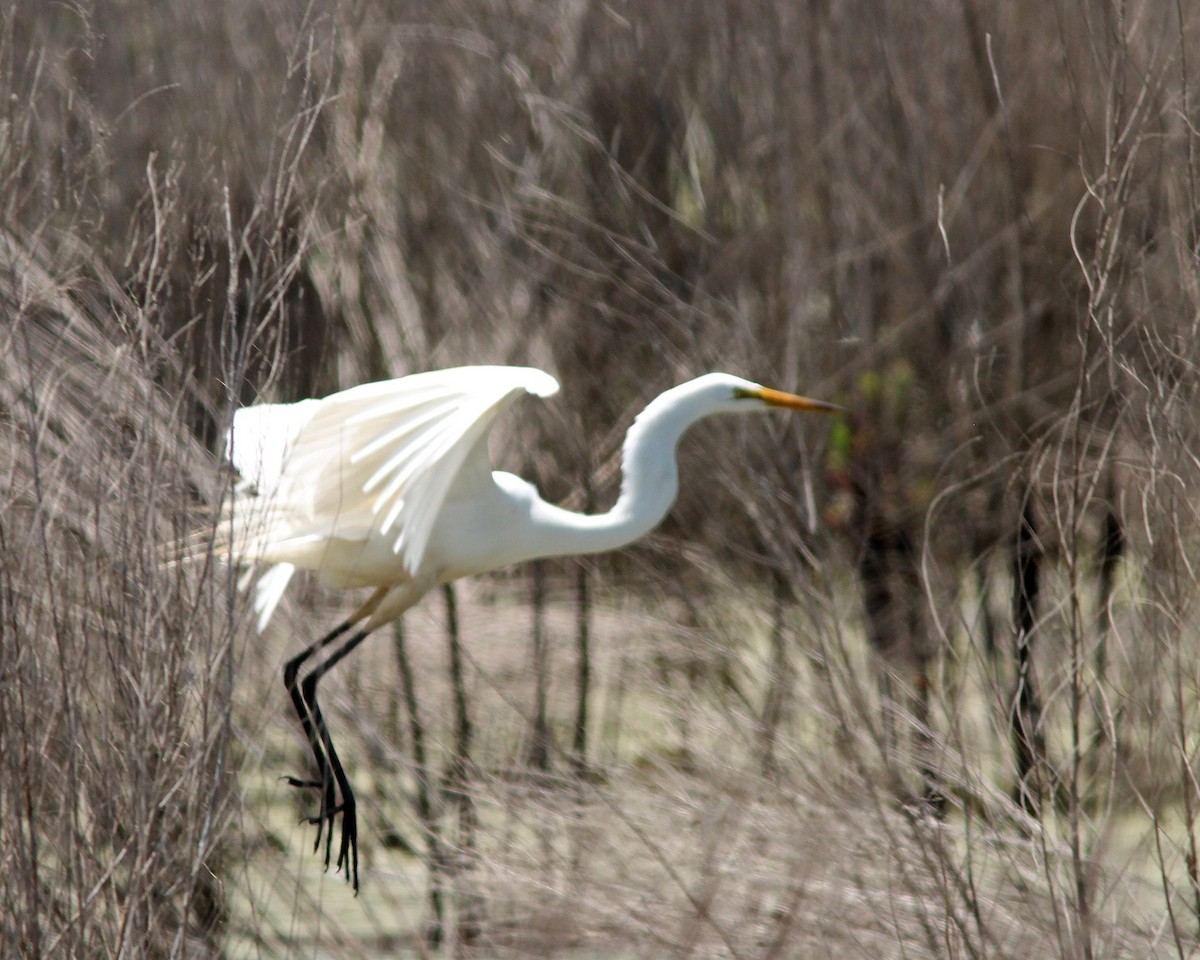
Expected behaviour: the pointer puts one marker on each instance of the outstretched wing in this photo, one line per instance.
(378, 458)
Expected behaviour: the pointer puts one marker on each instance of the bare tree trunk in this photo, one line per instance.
(583, 665)
(538, 756)
(892, 597)
(457, 779)
(426, 814)
(1112, 548)
(925, 744)
(1029, 742)
(980, 554)
(780, 680)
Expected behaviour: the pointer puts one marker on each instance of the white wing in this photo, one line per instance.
(268, 591)
(260, 438)
(378, 458)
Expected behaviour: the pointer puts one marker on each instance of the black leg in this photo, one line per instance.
(348, 851)
(324, 771)
(333, 775)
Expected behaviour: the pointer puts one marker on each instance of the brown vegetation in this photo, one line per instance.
(924, 684)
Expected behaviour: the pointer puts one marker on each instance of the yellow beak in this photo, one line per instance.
(790, 401)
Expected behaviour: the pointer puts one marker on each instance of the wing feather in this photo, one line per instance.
(378, 458)
(264, 433)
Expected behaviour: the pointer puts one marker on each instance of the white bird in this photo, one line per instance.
(389, 485)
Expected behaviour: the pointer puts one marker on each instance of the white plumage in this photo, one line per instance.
(334, 484)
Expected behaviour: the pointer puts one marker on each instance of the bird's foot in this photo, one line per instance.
(347, 860)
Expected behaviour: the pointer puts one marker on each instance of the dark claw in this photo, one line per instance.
(324, 815)
(306, 784)
(328, 811)
(347, 860)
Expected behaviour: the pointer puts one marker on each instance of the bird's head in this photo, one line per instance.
(725, 393)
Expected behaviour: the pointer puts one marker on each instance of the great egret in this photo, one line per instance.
(388, 485)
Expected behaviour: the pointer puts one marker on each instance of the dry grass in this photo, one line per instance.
(973, 221)
(680, 844)
(117, 751)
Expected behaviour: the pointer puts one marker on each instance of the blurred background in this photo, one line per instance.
(918, 681)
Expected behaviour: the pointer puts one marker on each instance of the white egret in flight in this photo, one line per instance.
(388, 485)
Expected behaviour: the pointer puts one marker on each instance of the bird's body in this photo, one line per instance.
(389, 485)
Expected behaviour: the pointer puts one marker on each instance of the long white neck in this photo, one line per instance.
(649, 484)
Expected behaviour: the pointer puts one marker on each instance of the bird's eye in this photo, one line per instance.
(741, 393)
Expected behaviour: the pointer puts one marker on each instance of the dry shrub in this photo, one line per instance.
(117, 757)
(677, 865)
(976, 220)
